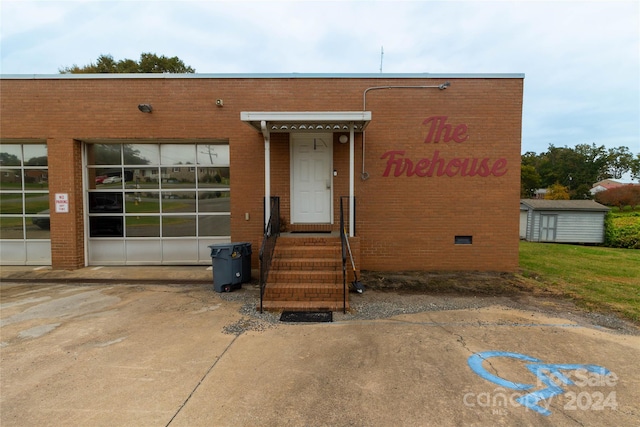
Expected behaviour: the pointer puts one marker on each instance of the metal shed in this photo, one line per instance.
(562, 221)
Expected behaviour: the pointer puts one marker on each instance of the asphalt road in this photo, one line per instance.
(156, 355)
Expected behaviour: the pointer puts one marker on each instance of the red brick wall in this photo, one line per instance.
(67, 230)
(404, 222)
(412, 221)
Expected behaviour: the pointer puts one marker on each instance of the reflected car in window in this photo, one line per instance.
(112, 180)
(42, 222)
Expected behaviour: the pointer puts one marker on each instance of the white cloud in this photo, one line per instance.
(581, 58)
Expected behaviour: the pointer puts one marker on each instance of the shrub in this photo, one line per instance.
(629, 237)
(623, 235)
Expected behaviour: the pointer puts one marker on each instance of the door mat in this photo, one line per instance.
(306, 316)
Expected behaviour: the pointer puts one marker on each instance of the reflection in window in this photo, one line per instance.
(11, 228)
(105, 202)
(36, 203)
(143, 226)
(24, 190)
(177, 154)
(10, 179)
(10, 155)
(104, 154)
(11, 203)
(212, 154)
(214, 201)
(35, 155)
(105, 226)
(141, 154)
(111, 178)
(142, 202)
(38, 227)
(179, 226)
(102, 174)
(163, 190)
(141, 177)
(214, 225)
(213, 177)
(36, 179)
(183, 177)
(179, 201)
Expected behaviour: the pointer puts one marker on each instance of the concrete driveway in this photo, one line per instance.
(158, 355)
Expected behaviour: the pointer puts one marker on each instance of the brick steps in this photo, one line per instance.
(306, 274)
(315, 251)
(303, 264)
(303, 292)
(304, 305)
(302, 241)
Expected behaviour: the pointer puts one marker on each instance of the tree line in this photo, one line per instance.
(575, 169)
(148, 63)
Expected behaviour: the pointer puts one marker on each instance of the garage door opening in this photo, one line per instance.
(156, 203)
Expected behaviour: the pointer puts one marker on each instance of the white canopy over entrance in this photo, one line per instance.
(308, 121)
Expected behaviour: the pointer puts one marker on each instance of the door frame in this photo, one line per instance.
(544, 230)
(292, 138)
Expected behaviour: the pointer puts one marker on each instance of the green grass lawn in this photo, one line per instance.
(597, 278)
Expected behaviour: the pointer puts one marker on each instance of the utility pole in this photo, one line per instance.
(381, 57)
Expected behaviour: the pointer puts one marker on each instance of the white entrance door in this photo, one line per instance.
(311, 175)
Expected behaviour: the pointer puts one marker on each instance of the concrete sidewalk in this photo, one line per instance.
(131, 274)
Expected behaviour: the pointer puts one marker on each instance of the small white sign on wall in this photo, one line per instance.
(62, 203)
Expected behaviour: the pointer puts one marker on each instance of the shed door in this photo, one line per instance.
(548, 224)
(311, 164)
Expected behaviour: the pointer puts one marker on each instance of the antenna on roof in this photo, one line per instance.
(381, 57)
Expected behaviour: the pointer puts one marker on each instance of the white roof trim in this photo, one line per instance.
(306, 121)
(377, 76)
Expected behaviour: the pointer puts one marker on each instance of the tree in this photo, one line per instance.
(7, 159)
(530, 159)
(619, 161)
(594, 164)
(580, 167)
(557, 191)
(149, 63)
(583, 191)
(634, 167)
(529, 181)
(36, 161)
(559, 165)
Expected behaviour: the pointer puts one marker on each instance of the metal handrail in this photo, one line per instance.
(343, 240)
(344, 258)
(271, 233)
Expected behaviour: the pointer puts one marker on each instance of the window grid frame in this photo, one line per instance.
(23, 191)
(160, 191)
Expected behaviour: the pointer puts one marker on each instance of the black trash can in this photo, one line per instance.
(231, 264)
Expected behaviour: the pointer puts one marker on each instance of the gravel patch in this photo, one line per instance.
(384, 303)
(252, 319)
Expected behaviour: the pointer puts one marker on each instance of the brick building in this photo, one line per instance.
(151, 169)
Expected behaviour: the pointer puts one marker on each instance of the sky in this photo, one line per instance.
(581, 59)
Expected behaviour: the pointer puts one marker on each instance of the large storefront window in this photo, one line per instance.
(24, 204)
(177, 193)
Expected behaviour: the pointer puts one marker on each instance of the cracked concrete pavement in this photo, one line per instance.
(162, 355)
